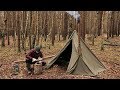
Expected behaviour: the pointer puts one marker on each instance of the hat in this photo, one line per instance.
(37, 48)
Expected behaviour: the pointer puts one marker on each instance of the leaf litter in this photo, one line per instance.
(110, 57)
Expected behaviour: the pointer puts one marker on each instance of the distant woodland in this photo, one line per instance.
(27, 29)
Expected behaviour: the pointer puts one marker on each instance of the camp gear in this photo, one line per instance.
(15, 68)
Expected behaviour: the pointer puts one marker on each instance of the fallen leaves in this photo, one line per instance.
(110, 57)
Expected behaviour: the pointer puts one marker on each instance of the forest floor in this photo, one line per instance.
(110, 57)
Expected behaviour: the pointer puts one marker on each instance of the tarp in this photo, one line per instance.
(85, 64)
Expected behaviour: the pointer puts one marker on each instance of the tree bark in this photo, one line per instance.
(112, 24)
(3, 33)
(30, 29)
(65, 30)
(7, 26)
(100, 22)
(53, 29)
(82, 24)
(18, 29)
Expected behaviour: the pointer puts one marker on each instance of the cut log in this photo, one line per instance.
(107, 42)
(112, 44)
(38, 68)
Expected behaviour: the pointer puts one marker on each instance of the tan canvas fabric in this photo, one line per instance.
(73, 60)
(81, 68)
(90, 59)
(86, 64)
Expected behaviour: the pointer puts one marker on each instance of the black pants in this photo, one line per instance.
(29, 63)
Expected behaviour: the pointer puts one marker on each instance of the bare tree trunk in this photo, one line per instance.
(116, 23)
(39, 28)
(119, 23)
(83, 29)
(60, 27)
(82, 24)
(59, 35)
(7, 26)
(3, 33)
(53, 29)
(30, 27)
(100, 22)
(18, 29)
(65, 31)
(3, 39)
(46, 26)
(33, 41)
(79, 33)
(23, 25)
(93, 25)
(112, 24)
(26, 29)
(108, 25)
(34, 29)
(14, 26)
(22, 28)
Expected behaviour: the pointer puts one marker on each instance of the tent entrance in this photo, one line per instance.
(64, 58)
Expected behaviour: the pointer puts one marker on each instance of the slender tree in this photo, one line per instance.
(65, 23)
(7, 25)
(53, 29)
(18, 29)
(82, 24)
(30, 28)
(3, 33)
(99, 22)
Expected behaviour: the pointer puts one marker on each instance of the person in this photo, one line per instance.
(32, 58)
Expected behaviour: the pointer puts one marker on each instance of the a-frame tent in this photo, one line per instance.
(85, 64)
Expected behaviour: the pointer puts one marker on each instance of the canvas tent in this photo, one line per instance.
(85, 64)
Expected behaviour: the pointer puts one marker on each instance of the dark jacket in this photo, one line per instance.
(33, 54)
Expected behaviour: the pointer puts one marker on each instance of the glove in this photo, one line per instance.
(33, 59)
(40, 59)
